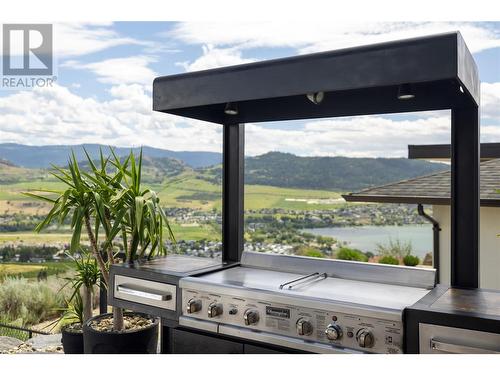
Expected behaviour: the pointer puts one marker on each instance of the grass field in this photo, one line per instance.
(30, 270)
(184, 190)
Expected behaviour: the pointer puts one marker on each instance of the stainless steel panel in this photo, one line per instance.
(146, 292)
(258, 283)
(436, 339)
(198, 324)
(362, 271)
(280, 319)
(278, 340)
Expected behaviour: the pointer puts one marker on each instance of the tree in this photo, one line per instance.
(108, 203)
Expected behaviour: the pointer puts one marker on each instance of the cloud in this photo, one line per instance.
(77, 39)
(215, 58)
(307, 36)
(362, 136)
(58, 116)
(490, 101)
(116, 71)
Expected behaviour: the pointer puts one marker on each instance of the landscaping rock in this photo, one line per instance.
(44, 342)
(7, 343)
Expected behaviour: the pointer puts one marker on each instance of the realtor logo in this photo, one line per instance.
(27, 56)
(27, 50)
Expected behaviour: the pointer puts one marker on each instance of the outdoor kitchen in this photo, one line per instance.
(251, 302)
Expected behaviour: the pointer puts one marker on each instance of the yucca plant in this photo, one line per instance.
(83, 282)
(108, 203)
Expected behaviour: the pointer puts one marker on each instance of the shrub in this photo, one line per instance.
(30, 302)
(411, 260)
(388, 259)
(346, 253)
(395, 249)
(314, 253)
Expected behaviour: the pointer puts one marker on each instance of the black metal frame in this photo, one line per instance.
(443, 151)
(356, 81)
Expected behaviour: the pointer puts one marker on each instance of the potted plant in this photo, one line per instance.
(108, 203)
(72, 331)
(80, 303)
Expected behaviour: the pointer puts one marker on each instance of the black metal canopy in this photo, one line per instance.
(438, 70)
(356, 81)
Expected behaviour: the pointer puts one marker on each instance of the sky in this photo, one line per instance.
(105, 73)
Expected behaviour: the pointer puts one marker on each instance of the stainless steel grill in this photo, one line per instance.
(316, 305)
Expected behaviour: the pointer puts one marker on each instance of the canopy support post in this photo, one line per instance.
(232, 191)
(465, 201)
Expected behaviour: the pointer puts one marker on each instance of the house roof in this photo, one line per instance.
(432, 189)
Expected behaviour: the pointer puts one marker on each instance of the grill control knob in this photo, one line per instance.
(304, 327)
(251, 317)
(193, 305)
(365, 338)
(333, 332)
(214, 309)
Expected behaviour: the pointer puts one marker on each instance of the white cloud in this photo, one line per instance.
(308, 36)
(215, 58)
(116, 71)
(365, 136)
(58, 116)
(490, 101)
(77, 39)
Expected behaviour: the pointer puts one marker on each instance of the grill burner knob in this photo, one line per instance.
(251, 317)
(193, 305)
(304, 327)
(214, 309)
(365, 338)
(333, 332)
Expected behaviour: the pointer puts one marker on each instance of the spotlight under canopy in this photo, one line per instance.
(316, 97)
(405, 92)
(231, 109)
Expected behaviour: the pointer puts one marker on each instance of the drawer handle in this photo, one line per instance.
(139, 291)
(459, 349)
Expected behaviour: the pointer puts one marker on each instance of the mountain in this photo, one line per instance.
(43, 156)
(332, 173)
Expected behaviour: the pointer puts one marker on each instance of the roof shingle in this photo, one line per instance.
(432, 189)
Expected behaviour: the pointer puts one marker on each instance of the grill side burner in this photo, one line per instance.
(322, 314)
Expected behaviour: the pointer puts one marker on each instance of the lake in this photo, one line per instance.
(366, 238)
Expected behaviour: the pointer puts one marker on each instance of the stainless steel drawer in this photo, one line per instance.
(146, 292)
(436, 339)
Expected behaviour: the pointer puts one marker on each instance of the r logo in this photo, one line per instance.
(27, 49)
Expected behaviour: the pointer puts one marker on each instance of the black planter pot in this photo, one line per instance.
(72, 341)
(142, 341)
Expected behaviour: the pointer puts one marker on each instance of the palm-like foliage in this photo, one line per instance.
(109, 202)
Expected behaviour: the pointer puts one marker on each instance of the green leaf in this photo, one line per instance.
(77, 229)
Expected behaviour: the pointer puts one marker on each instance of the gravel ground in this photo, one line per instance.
(36, 345)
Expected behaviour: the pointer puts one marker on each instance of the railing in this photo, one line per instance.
(19, 332)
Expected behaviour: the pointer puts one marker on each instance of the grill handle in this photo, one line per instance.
(447, 347)
(148, 293)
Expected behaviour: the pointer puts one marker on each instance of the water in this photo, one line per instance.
(366, 238)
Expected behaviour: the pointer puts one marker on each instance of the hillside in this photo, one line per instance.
(332, 173)
(44, 156)
(10, 173)
(271, 169)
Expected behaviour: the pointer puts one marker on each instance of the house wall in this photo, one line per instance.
(489, 254)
